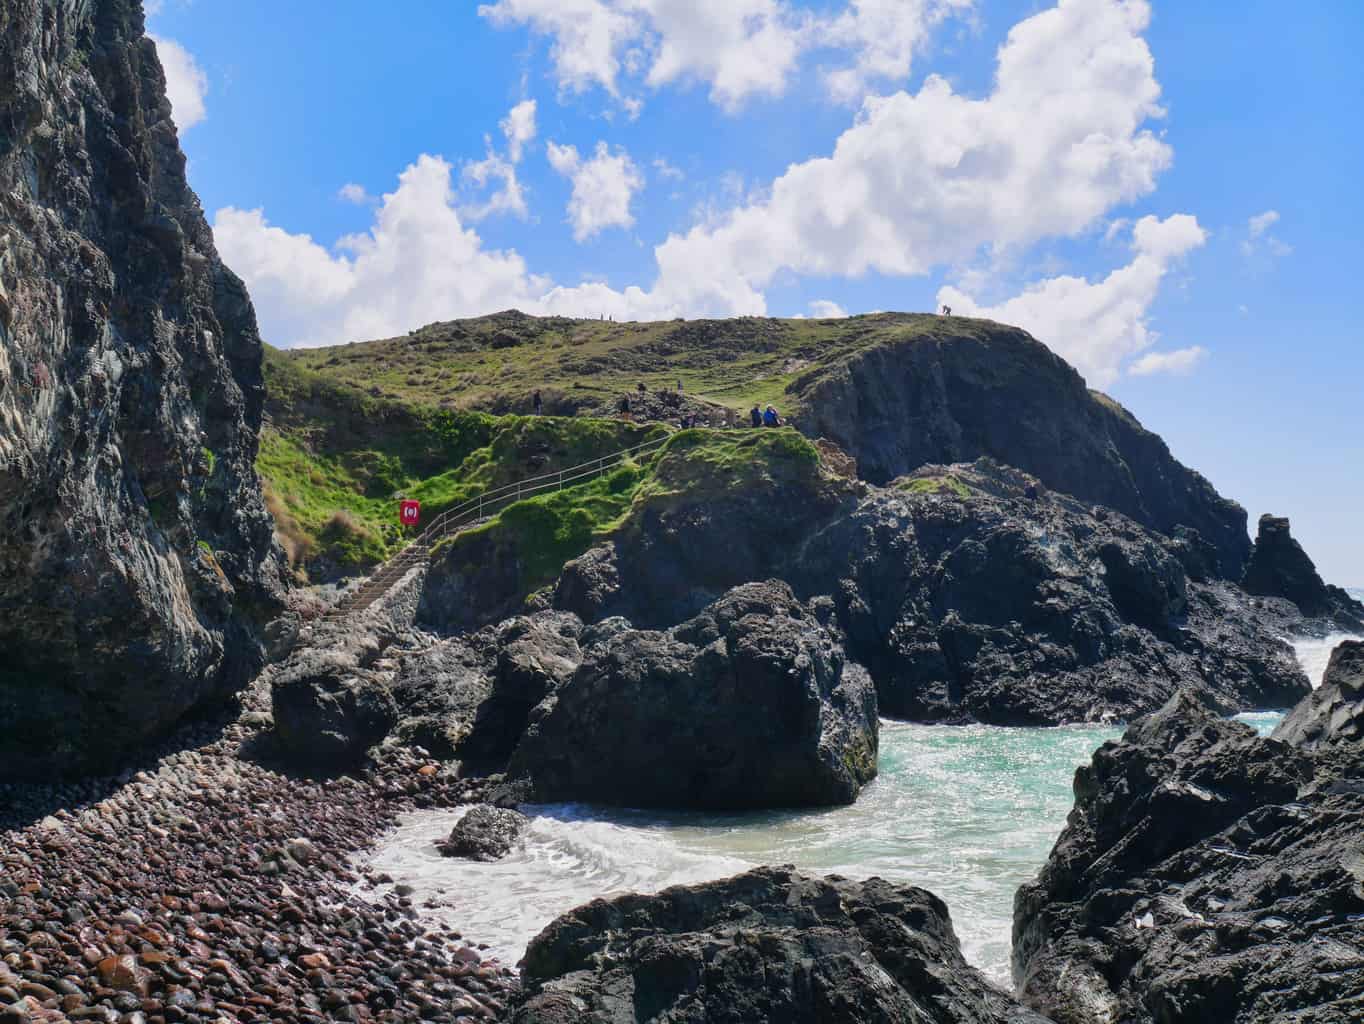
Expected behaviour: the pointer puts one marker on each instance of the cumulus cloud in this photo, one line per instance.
(823, 309)
(419, 262)
(603, 187)
(741, 49)
(926, 179)
(884, 36)
(1180, 361)
(1099, 325)
(519, 129)
(918, 181)
(186, 83)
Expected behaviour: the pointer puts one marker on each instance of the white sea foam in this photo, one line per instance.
(967, 812)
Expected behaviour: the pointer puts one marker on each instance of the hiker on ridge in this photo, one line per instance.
(535, 401)
(755, 414)
(770, 417)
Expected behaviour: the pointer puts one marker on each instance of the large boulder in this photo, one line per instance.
(1279, 567)
(137, 561)
(328, 711)
(470, 697)
(769, 945)
(1335, 710)
(484, 833)
(1205, 874)
(750, 704)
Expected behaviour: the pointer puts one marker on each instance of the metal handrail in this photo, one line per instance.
(477, 508)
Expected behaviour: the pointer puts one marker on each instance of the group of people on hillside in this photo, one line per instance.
(765, 418)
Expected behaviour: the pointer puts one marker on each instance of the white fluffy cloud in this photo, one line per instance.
(926, 179)
(740, 48)
(519, 129)
(353, 193)
(418, 263)
(186, 83)
(1180, 361)
(1098, 326)
(918, 181)
(823, 309)
(884, 36)
(603, 188)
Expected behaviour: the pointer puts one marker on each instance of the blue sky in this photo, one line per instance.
(1167, 194)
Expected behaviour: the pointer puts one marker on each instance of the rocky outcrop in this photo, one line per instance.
(751, 704)
(1279, 567)
(768, 945)
(1335, 710)
(136, 556)
(971, 592)
(484, 833)
(970, 388)
(1205, 874)
(330, 707)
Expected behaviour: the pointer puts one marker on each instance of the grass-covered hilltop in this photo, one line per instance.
(445, 412)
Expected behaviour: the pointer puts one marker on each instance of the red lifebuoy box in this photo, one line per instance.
(409, 512)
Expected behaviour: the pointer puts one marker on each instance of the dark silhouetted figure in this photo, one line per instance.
(756, 415)
(537, 403)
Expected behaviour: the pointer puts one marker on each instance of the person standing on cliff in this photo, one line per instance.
(625, 407)
(756, 415)
(536, 402)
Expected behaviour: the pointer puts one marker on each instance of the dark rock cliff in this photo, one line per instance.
(953, 397)
(1205, 874)
(136, 556)
(1279, 567)
(970, 592)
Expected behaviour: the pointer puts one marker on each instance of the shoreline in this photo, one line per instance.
(212, 885)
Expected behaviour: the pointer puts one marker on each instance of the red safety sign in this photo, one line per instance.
(409, 512)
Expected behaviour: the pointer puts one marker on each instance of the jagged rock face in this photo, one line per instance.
(1205, 874)
(136, 556)
(983, 604)
(752, 704)
(1335, 711)
(951, 399)
(769, 945)
(1001, 608)
(1279, 567)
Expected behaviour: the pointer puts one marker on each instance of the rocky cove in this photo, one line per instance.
(835, 679)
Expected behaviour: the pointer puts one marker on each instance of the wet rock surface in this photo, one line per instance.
(136, 556)
(1206, 874)
(750, 704)
(213, 885)
(764, 946)
(1335, 711)
(485, 833)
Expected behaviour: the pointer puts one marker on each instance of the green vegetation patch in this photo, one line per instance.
(945, 484)
(550, 529)
(335, 461)
(495, 363)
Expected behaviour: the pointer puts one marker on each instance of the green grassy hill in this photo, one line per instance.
(334, 461)
(494, 363)
(440, 415)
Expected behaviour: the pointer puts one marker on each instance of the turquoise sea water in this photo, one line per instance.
(969, 812)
